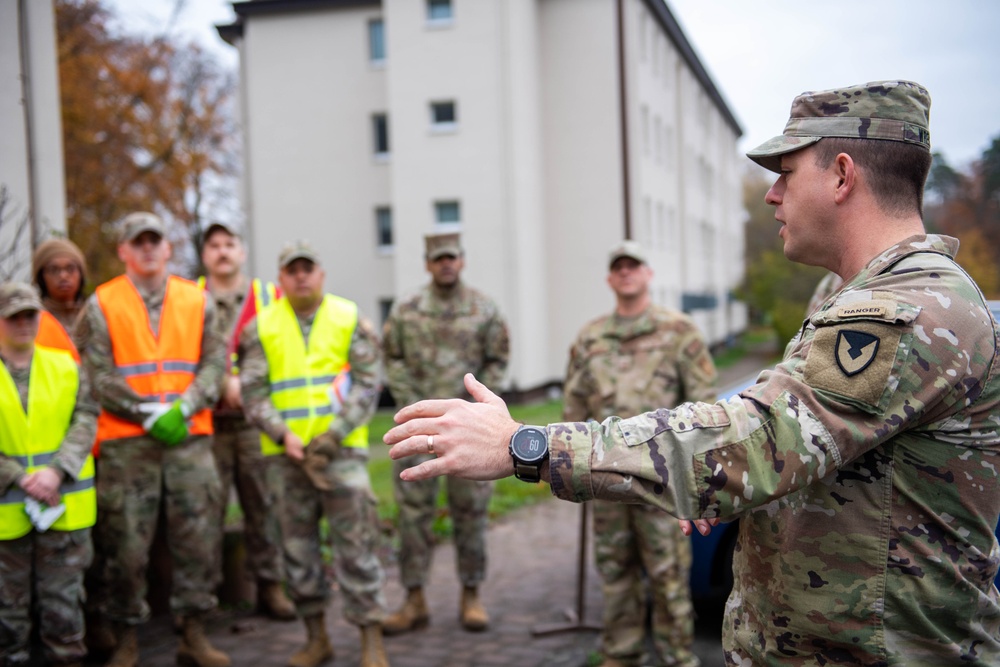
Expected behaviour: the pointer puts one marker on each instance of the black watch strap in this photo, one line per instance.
(527, 472)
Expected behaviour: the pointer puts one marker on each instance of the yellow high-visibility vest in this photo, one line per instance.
(302, 378)
(33, 439)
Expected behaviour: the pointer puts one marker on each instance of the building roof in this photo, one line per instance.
(676, 34)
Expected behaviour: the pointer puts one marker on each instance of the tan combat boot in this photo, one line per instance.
(474, 616)
(411, 616)
(372, 651)
(273, 601)
(317, 649)
(195, 648)
(126, 652)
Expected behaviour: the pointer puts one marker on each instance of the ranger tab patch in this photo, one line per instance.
(855, 350)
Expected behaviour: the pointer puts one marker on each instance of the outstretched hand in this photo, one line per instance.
(470, 439)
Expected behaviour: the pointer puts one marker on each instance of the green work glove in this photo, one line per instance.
(170, 428)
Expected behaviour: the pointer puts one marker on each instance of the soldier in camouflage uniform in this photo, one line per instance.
(639, 357)
(47, 425)
(236, 444)
(155, 356)
(431, 339)
(295, 359)
(864, 466)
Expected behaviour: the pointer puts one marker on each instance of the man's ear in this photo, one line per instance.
(847, 173)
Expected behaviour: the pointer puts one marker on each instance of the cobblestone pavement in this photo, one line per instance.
(531, 584)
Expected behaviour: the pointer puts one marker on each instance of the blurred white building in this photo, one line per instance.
(31, 148)
(544, 130)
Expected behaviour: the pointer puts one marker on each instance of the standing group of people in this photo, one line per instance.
(184, 390)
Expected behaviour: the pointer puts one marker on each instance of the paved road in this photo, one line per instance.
(531, 584)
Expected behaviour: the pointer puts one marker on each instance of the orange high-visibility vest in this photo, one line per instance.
(51, 333)
(158, 368)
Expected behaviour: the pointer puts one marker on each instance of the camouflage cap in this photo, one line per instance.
(18, 297)
(630, 249)
(135, 224)
(886, 110)
(231, 227)
(297, 249)
(439, 245)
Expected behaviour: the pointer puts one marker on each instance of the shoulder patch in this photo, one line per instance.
(855, 350)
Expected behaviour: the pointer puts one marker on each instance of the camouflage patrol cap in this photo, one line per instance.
(439, 245)
(630, 249)
(886, 110)
(231, 227)
(18, 297)
(135, 224)
(297, 249)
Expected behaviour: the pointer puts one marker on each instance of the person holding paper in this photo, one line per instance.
(47, 501)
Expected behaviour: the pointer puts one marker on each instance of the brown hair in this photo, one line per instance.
(895, 171)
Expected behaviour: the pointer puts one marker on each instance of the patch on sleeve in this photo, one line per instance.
(855, 361)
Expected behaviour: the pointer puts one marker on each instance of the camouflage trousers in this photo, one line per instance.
(47, 569)
(468, 502)
(350, 510)
(236, 446)
(136, 475)
(630, 540)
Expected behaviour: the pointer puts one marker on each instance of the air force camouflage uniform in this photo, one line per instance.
(863, 467)
(631, 365)
(431, 340)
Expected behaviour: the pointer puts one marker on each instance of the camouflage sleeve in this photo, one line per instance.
(362, 399)
(398, 376)
(109, 386)
(695, 367)
(496, 350)
(10, 472)
(255, 385)
(82, 430)
(799, 423)
(578, 386)
(204, 391)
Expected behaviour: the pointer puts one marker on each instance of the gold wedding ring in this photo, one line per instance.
(430, 444)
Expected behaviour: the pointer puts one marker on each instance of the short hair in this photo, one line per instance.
(895, 171)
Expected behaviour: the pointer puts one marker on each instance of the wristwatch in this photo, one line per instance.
(529, 447)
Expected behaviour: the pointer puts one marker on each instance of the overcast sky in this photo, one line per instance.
(761, 54)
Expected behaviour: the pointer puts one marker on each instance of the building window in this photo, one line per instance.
(439, 11)
(384, 308)
(380, 134)
(376, 41)
(383, 227)
(644, 112)
(444, 116)
(447, 214)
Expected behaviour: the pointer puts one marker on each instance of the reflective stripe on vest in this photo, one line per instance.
(258, 297)
(302, 379)
(51, 333)
(34, 438)
(157, 367)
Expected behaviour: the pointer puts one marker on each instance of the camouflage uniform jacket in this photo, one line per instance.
(863, 467)
(624, 366)
(432, 339)
(79, 438)
(110, 387)
(361, 400)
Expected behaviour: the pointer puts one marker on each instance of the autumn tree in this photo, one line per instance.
(147, 125)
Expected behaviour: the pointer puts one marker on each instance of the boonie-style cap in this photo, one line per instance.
(16, 297)
(297, 249)
(135, 224)
(630, 249)
(886, 110)
(439, 245)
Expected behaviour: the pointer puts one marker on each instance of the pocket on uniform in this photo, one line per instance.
(685, 417)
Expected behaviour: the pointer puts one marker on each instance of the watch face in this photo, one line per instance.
(529, 445)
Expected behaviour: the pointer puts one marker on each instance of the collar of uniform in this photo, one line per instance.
(935, 243)
(630, 327)
(433, 302)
